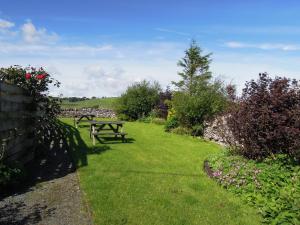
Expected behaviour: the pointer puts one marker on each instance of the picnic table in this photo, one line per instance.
(80, 118)
(113, 128)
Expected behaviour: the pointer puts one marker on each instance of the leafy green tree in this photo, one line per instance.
(138, 100)
(198, 97)
(195, 69)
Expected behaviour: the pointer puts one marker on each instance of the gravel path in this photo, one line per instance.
(52, 197)
(56, 202)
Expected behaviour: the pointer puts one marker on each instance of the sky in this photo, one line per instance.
(98, 48)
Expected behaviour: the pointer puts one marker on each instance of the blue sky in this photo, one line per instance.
(97, 48)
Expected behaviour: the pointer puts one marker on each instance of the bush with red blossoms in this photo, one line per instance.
(36, 81)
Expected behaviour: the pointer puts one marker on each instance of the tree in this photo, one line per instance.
(195, 69)
(198, 97)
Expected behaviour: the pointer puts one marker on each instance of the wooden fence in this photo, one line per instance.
(17, 118)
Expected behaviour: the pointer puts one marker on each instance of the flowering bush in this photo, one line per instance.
(36, 81)
(272, 186)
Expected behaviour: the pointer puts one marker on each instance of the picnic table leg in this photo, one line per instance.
(77, 122)
(118, 126)
(93, 130)
(115, 130)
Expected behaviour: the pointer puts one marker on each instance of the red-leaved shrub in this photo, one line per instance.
(266, 119)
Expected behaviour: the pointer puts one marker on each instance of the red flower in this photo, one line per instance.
(27, 76)
(41, 76)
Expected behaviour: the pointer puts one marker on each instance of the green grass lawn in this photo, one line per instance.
(106, 103)
(155, 178)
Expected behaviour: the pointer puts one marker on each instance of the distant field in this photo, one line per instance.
(107, 103)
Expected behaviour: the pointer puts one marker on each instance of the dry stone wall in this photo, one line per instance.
(102, 113)
(218, 131)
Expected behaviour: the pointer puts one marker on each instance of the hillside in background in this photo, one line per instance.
(105, 103)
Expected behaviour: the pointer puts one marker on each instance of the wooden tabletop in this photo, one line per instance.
(105, 122)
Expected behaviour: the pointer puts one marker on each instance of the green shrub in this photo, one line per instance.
(171, 123)
(139, 100)
(151, 118)
(159, 121)
(198, 130)
(206, 101)
(272, 186)
(182, 131)
(123, 116)
(10, 175)
(147, 119)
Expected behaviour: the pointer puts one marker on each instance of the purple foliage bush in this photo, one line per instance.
(266, 119)
(162, 106)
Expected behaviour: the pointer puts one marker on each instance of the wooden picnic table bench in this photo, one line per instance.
(80, 118)
(111, 128)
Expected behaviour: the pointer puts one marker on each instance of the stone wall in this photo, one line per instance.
(218, 131)
(102, 113)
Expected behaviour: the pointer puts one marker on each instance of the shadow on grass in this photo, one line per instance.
(152, 173)
(113, 140)
(77, 149)
(83, 126)
(60, 151)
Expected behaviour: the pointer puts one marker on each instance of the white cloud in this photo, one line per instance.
(239, 68)
(253, 30)
(59, 50)
(172, 31)
(234, 44)
(106, 69)
(263, 46)
(32, 35)
(97, 72)
(5, 24)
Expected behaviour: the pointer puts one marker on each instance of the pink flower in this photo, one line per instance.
(217, 173)
(27, 76)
